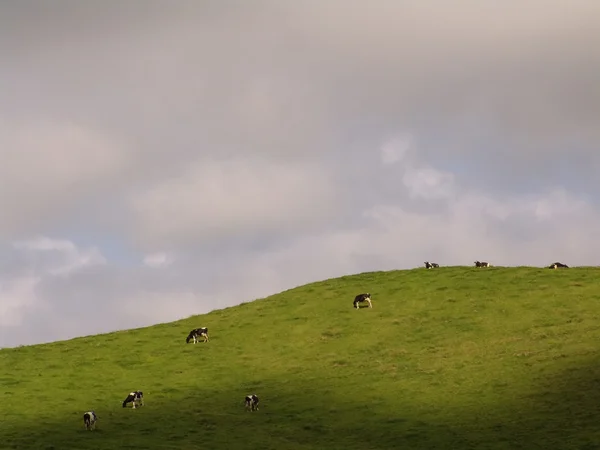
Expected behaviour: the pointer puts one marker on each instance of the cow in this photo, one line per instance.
(558, 265)
(482, 264)
(251, 402)
(89, 420)
(135, 398)
(429, 265)
(362, 298)
(196, 334)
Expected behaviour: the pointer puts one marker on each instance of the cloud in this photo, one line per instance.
(158, 260)
(64, 256)
(16, 295)
(143, 165)
(35, 261)
(216, 199)
(50, 170)
(395, 150)
(428, 183)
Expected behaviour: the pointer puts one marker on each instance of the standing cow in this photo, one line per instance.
(136, 398)
(196, 334)
(360, 298)
(251, 402)
(89, 420)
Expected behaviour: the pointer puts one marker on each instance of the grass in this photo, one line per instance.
(452, 358)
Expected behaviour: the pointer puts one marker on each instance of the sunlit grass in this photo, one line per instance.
(449, 358)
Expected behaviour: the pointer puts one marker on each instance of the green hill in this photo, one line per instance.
(453, 358)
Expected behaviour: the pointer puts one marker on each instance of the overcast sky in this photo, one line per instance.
(161, 159)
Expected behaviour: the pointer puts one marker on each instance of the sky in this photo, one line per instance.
(164, 159)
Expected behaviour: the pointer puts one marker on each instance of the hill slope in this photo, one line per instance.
(449, 358)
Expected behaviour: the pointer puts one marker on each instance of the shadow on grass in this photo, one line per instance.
(561, 413)
(294, 415)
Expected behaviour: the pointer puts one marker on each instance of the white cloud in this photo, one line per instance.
(395, 150)
(16, 296)
(469, 229)
(158, 260)
(428, 183)
(38, 260)
(66, 257)
(216, 199)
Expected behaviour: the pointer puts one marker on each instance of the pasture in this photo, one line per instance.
(451, 358)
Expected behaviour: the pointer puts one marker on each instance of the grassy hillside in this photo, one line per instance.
(457, 357)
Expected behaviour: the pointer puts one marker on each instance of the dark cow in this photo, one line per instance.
(135, 398)
(362, 298)
(482, 264)
(252, 402)
(558, 265)
(89, 420)
(429, 265)
(196, 334)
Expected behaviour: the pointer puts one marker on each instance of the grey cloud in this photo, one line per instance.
(50, 169)
(280, 79)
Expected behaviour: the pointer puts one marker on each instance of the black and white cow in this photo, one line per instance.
(429, 265)
(482, 264)
(136, 398)
(558, 265)
(89, 420)
(252, 402)
(196, 334)
(362, 298)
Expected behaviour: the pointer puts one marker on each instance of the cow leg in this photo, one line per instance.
(370, 305)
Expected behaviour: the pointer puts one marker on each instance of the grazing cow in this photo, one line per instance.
(558, 265)
(89, 420)
(135, 398)
(429, 265)
(362, 298)
(252, 402)
(196, 334)
(482, 264)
